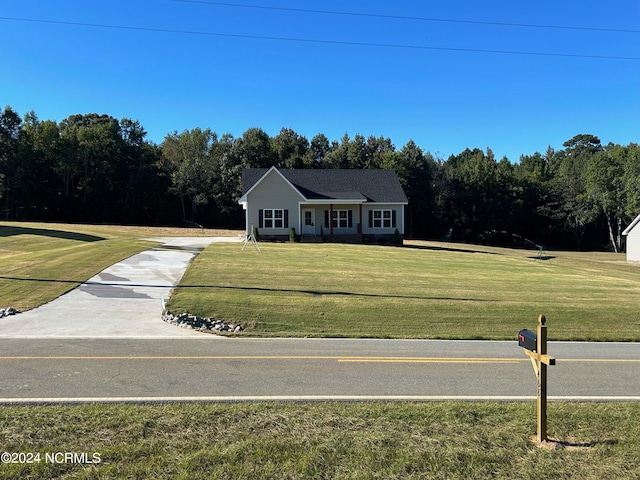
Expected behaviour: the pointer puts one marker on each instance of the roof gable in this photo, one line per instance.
(631, 226)
(378, 186)
(254, 176)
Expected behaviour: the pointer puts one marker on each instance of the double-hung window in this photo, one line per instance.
(382, 219)
(273, 218)
(340, 218)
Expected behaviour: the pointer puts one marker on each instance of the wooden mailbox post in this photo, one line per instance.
(535, 346)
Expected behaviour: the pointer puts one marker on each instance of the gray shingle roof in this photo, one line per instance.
(380, 186)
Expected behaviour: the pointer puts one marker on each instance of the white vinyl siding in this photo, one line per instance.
(633, 243)
(273, 206)
(383, 219)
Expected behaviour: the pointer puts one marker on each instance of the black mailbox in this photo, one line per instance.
(528, 340)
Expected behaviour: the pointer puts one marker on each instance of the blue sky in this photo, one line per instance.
(445, 84)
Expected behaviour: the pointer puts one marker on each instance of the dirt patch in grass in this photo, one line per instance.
(568, 444)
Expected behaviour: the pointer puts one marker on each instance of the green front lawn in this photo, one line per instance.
(422, 290)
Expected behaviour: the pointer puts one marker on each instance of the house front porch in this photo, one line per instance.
(347, 238)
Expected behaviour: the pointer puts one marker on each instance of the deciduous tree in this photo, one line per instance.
(188, 159)
(10, 131)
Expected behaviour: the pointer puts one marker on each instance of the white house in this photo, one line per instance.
(632, 232)
(325, 203)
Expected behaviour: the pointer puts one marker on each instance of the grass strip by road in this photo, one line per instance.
(42, 261)
(324, 440)
(423, 290)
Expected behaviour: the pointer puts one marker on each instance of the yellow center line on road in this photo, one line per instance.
(427, 360)
(338, 358)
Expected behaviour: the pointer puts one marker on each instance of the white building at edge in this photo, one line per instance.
(632, 232)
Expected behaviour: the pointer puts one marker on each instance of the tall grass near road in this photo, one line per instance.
(325, 440)
(422, 290)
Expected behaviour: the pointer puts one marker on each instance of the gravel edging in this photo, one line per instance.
(5, 312)
(194, 322)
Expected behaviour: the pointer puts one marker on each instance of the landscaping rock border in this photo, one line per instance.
(5, 312)
(186, 320)
(183, 320)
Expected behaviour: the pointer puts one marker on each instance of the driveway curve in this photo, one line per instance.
(123, 301)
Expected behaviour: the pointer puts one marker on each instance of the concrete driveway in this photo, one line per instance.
(123, 301)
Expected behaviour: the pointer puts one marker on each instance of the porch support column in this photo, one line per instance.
(331, 219)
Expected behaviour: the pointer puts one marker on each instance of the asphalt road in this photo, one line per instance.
(223, 369)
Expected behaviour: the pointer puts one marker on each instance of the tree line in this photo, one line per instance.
(97, 169)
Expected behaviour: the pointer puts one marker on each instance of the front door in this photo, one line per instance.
(308, 222)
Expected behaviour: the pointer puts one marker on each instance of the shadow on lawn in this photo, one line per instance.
(320, 293)
(555, 444)
(449, 249)
(315, 293)
(542, 258)
(85, 282)
(81, 237)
